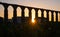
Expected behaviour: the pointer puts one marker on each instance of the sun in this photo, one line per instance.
(33, 20)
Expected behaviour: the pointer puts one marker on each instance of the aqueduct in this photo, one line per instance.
(6, 5)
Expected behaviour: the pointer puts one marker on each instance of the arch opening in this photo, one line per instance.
(54, 16)
(26, 12)
(39, 13)
(45, 14)
(33, 15)
(1, 11)
(10, 12)
(19, 12)
(50, 16)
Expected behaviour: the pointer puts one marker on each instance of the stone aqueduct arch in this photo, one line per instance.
(6, 5)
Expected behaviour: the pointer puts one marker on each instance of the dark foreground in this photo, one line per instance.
(28, 30)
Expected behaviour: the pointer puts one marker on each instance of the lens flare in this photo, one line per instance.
(33, 21)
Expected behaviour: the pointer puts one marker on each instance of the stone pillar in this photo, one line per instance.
(47, 11)
(5, 14)
(42, 13)
(36, 13)
(52, 19)
(30, 16)
(22, 8)
(5, 28)
(56, 16)
(15, 14)
(22, 11)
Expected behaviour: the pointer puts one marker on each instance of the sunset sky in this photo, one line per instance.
(46, 4)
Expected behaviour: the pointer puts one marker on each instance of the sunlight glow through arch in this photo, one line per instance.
(10, 12)
(33, 21)
(1, 11)
(33, 15)
(19, 11)
(49, 16)
(26, 12)
(39, 13)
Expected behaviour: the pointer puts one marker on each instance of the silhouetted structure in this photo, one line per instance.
(6, 5)
(23, 29)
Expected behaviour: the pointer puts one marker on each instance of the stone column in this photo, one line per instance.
(42, 15)
(15, 14)
(52, 19)
(5, 28)
(36, 13)
(22, 8)
(47, 11)
(30, 16)
(56, 16)
(5, 14)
